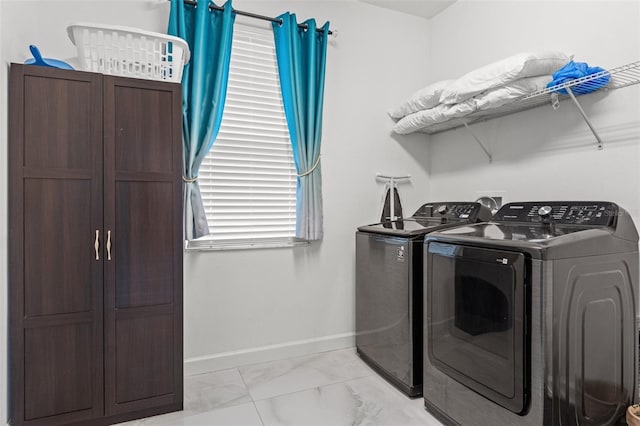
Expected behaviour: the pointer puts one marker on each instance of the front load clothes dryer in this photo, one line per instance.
(530, 319)
(389, 289)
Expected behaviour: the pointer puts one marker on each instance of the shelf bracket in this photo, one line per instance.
(586, 119)
(479, 141)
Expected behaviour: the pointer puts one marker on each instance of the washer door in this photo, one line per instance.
(476, 306)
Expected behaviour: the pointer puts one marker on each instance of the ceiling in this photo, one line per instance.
(423, 8)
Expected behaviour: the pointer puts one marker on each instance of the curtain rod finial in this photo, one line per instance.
(334, 33)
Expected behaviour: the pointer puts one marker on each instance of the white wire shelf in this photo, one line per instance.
(623, 76)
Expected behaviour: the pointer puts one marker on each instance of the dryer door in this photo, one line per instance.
(476, 320)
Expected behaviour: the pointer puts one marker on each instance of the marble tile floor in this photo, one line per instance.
(326, 389)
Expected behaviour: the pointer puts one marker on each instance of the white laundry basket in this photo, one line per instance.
(129, 52)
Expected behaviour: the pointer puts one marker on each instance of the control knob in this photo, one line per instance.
(545, 216)
(442, 210)
(544, 211)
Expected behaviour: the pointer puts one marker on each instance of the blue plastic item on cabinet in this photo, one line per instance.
(45, 62)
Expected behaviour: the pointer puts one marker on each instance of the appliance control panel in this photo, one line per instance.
(594, 213)
(465, 211)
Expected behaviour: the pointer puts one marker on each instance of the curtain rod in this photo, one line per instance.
(252, 15)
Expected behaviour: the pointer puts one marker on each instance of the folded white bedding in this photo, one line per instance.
(503, 95)
(503, 72)
(425, 98)
(484, 101)
(428, 117)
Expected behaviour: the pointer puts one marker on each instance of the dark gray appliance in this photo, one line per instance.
(389, 289)
(530, 319)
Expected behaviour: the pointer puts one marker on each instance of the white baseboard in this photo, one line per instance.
(226, 360)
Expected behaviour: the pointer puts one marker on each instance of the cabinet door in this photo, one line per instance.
(55, 210)
(143, 197)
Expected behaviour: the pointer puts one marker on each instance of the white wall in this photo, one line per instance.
(542, 154)
(3, 241)
(247, 306)
(255, 305)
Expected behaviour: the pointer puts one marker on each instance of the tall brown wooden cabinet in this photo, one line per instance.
(95, 247)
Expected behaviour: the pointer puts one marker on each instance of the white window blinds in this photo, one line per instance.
(248, 179)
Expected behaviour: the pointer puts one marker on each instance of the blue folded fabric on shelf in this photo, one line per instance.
(574, 70)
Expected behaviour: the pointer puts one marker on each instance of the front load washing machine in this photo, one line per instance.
(389, 289)
(530, 319)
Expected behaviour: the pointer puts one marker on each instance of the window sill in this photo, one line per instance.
(207, 244)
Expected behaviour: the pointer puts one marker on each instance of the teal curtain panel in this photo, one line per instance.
(209, 34)
(301, 56)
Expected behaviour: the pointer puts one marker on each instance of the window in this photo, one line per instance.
(248, 179)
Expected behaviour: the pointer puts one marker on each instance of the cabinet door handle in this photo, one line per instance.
(96, 245)
(109, 245)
